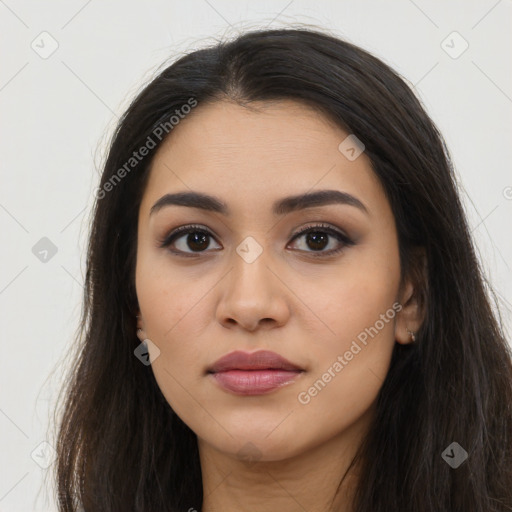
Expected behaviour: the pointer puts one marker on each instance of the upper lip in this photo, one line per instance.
(261, 360)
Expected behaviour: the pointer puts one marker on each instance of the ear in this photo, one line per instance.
(140, 325)
(412, 297)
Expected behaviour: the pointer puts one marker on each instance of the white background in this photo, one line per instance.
(57, 111)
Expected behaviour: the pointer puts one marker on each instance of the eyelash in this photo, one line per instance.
(322, 228)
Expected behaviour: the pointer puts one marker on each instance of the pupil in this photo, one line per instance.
(317, 238)
(198, 238)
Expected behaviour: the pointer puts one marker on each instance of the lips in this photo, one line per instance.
(254, 373)
(261, 360)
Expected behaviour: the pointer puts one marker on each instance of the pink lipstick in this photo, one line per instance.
(254, 373)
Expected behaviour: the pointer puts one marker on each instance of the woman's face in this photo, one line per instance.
(328, 304)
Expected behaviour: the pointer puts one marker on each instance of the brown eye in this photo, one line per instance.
(317, 238)
(194, 240)
(188, 240)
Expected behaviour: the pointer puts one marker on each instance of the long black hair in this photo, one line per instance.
(120, 445)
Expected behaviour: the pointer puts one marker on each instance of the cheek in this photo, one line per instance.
(167, 296)
(172, 309)
(179, 368)
(354, 346)
(350, 367)
(359, 342)
(350, 300)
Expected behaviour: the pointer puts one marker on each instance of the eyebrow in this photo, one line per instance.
(280, 207)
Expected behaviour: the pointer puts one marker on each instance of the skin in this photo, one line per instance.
(307, 309)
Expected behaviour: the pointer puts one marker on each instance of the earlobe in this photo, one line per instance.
(413, 300)
(407, 324)
(140, 328)
(410, 317)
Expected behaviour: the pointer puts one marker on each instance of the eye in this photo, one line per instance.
(195, 238)
(317, 237)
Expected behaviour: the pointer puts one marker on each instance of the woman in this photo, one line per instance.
(283, 307)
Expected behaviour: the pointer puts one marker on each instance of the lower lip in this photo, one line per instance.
(254, 382)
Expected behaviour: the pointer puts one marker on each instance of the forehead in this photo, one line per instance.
(245, 156)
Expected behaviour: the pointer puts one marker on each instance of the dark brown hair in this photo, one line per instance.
(120, 445)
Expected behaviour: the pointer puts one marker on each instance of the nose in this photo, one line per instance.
(253, 296)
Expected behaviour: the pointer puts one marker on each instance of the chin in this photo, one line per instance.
(259, 447)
